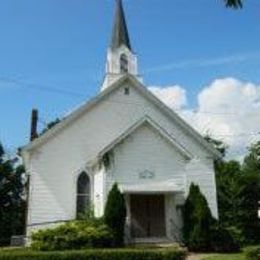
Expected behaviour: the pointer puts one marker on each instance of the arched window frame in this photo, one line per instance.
(83, 197)
(124, 63)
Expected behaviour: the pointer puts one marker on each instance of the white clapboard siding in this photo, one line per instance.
(55, 165)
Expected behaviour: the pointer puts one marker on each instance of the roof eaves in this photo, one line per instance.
(185, 125)
(74, 115)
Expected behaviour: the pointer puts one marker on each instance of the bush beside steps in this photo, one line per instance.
(96, 254)
(74, 235)
(203, 233)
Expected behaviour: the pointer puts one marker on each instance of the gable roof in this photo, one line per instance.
(154, 125)
(117, 84)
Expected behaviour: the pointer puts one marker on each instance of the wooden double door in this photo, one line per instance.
(147, 216)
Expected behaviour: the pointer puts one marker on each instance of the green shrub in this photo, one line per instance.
(201, 231)
(107, 254)
(73, 235)
(188, 217)
(253, 253)
(115, 215)
(197, 221)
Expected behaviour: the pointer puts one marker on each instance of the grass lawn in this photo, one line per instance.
(239, 256)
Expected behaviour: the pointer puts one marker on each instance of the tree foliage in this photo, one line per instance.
(251, 194)
(115, 214)
(50, 126)
(229, 192)
(12, 204)
(217, 144)
(252, 160)
(234, 3)
(238, 191)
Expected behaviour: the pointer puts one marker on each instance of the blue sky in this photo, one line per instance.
(52, 52)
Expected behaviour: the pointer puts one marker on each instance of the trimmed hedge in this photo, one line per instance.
(106, 254)
(253, 253)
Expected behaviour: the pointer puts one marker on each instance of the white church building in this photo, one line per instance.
(124, 135)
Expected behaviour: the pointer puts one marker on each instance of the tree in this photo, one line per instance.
(115, 214)
(229, 193)
(251, 193)
(12, 204)
(50, 126)
(238, 192)
(234, 3)
(229, 188)
(217, 144)
(1, 153)
(252, 160)
(230, 196)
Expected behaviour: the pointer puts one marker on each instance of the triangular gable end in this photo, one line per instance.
(143, 90)
(183, 124)
(147, 120)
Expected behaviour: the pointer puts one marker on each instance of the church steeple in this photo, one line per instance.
(120, 58)
(120, 34)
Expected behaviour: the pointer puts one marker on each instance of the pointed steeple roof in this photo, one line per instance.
(120, 33)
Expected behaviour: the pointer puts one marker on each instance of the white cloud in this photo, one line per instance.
(228, 109)
(172, 96)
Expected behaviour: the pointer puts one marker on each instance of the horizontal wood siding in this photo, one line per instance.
(55, 165)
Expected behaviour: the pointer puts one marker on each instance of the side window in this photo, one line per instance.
(123, 64)
(83, 193)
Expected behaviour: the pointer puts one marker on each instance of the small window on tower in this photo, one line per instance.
(123, 64)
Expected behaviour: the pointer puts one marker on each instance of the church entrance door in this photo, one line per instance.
(147, 216)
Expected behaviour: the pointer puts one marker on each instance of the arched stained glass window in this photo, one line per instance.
(123, 64)
(83, 193)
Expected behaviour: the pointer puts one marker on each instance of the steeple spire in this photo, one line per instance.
(120, 32)
(120, 58)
